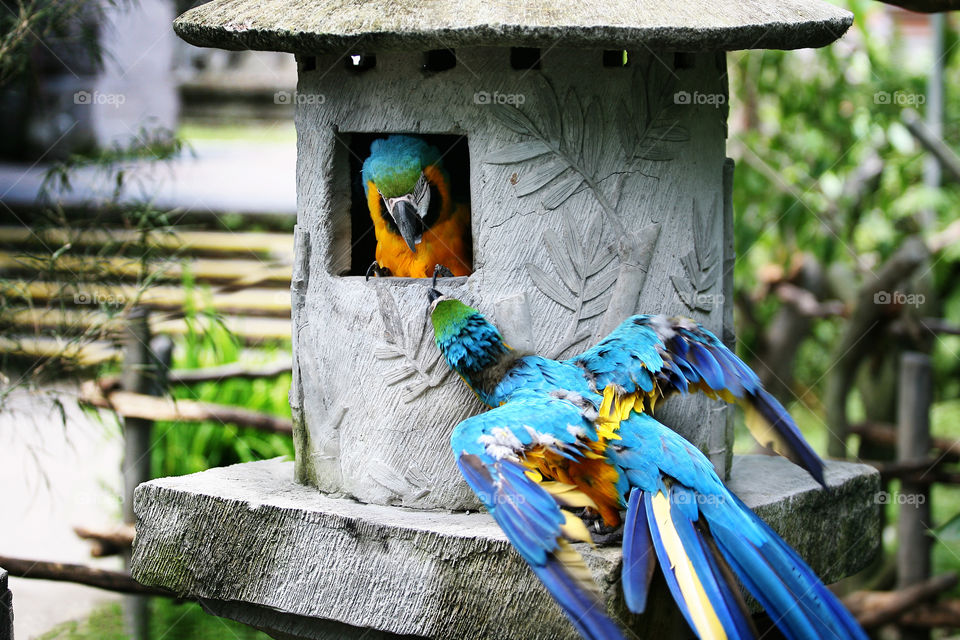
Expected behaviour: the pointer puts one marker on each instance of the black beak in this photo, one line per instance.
(408, 222)
(432, 293)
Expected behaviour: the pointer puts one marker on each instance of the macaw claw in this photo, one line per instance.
(601, 533)
(377, 271)
(441, 271)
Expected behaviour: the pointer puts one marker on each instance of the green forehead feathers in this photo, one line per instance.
(450, 314)
(395, 164)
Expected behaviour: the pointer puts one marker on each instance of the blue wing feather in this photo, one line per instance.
(488, 448)
(678, 354)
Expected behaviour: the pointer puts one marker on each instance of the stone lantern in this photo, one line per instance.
(590, 141)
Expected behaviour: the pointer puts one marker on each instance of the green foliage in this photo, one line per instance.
(29, 24)
(804, 126)
(187, 448)
(169, 620)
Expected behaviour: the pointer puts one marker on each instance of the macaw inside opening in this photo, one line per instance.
(440, 232)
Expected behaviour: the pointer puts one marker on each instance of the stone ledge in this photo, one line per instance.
(256, 546)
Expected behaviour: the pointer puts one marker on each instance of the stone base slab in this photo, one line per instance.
(252, 544)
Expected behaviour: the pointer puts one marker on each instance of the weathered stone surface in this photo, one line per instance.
(308, 26)
(624, 215)
(308, 564)
(6, 608)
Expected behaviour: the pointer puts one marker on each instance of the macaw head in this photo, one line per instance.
(406, 185)
(469, 342)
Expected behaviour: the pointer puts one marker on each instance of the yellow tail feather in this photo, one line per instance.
(704, 617)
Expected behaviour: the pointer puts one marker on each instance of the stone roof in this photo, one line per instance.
(337, 26)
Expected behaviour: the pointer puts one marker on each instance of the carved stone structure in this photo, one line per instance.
(599, 187)
(598, 184)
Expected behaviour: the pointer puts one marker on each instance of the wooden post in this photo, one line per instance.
(136, 376)
(913, 444)
(6, 608)
(143, 371)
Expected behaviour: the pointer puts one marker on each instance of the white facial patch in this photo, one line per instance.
(421, 196)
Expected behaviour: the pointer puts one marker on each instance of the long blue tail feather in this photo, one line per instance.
(724, 575)
(793, 596)
(639, 557)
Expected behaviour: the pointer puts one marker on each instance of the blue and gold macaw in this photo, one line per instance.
(418, 224)
(567, 435)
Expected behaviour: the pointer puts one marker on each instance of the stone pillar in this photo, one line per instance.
(625, 215)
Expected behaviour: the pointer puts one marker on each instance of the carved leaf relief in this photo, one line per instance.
(417, 365)
(699, 264)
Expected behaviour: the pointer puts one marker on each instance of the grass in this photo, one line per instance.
(181, 448)
(169, 620)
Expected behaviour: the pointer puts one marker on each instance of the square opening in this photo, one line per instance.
(435, 208)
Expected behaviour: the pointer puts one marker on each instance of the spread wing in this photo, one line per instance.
(660, 356)
(498, 453)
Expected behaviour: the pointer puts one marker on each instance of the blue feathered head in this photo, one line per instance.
(468, 341)
(395, 164)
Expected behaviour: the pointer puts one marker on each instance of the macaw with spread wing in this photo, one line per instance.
(418, 223)
(572, 436)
